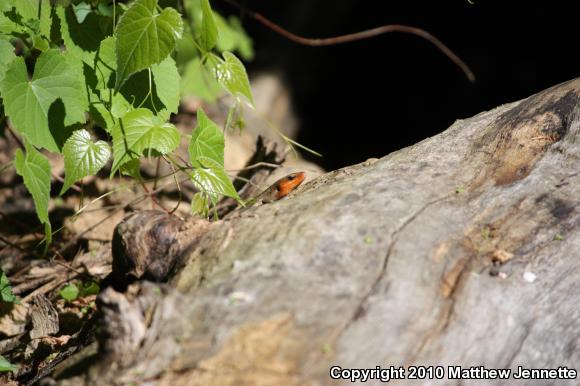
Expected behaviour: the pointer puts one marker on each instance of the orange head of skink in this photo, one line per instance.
(287, 184)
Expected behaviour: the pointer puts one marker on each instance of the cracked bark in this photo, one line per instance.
(363, 267)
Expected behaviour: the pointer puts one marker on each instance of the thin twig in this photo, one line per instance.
(60, 179)
(153, 198)
(15, 137)
(11, 244)
(156, 173)
(67, 266)
(369, 33)
(256, 165)
(135, 200)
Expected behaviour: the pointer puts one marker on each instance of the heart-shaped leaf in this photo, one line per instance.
(36, 106)
(211, 178)
(83, 157)
(145, 37)
(140, 130)
(232, 75)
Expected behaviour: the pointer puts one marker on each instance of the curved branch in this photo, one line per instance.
(369, 33)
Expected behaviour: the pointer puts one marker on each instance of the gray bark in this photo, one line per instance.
(461, 250)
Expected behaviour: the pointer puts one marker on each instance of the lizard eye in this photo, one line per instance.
(291, 177)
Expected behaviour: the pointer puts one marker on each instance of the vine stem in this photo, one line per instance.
(369, 33)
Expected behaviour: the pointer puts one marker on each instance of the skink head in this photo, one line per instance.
(287, 184)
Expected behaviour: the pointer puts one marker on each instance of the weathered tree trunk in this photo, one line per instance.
(463, 250)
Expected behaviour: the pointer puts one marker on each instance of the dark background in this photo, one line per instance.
(368, 98)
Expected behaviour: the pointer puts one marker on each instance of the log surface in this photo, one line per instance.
(463, 250)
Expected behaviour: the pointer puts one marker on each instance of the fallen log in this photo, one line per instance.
(462, 250)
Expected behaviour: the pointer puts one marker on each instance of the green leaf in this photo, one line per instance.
(139, 130)
(89, 288)
(185, 50)
(167, 82)
(209, 31)
(227, 37)
(232, 37)
(163, 95)
(69, 292)
(207, 140)
(53, 99)
(8, 26)
(82, 40)
(83, 157)
(35, 171)
(27, 19)
(198, 81)
(104, 9)
(211, 178)
(6, 56)
(200, 204)
(6, 366)
(6, 294)
(40, 43)
(145, 37)
(131, 168)
(244, 43)
(119, 106)
(104, 113)
(105, 64)
(35, 14)
(138, 93)
(81, 10)
(232, 75)
(235, 118)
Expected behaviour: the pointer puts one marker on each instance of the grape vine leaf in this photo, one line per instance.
(82, 40)
(27, 19)
(8, 26)
(200, 204)
(82, 10)
(6, 56)
(104, 113)
(35, 171)
(199, 81)
(69, 292)
(167, 81)
(145, 37)
(105, 64)
(232, 36)
(207, 140)
(35, 11)
(28, 102)
(209, 31)
(139, 131)
(82, 157)
(158, 90)
(231, 74)
(6, 294)
(211, 178)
